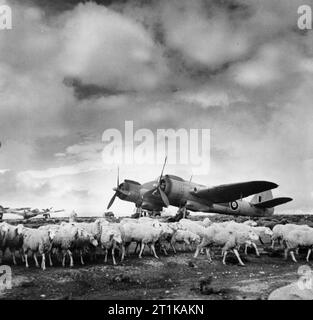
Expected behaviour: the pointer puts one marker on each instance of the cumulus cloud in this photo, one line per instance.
(105, 48)
(69, 71)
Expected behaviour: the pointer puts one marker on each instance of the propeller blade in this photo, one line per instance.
(164, 197)
(112, 200)
(118, 176)
(162, 169)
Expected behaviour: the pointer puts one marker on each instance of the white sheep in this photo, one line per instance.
(193, 227)
(298, 237)
(3, 230)
(73, 216)
(94, 228)
(145, 234)
(36, 241)
(69, 237)
(186, 237)
(205, 222)
(250, 223)
(228, 239)
(281, 230)
(83, 242)
(262, 231)
(111, 238)
(240, 227)
(12, 240)
(166, 236)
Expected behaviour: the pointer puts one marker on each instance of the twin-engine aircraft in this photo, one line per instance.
(186, 195)
(28, 212)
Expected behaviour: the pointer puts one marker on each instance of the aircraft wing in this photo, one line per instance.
(272, 203)
(234, 191)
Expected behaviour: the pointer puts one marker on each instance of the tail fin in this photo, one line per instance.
(262, 196)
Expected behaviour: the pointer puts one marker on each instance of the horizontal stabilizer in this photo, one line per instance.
(272, 203)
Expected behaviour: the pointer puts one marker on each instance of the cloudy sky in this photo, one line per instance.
(70, 70)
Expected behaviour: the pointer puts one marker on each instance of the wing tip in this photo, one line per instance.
(269, 184)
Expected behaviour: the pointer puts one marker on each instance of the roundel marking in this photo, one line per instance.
(234, 205)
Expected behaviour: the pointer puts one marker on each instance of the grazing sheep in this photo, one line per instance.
(186, 237)
(36, 241)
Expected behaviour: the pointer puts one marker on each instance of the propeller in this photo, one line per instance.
(158, 187)
(117, 189)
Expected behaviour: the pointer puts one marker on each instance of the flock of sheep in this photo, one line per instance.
(62, 240)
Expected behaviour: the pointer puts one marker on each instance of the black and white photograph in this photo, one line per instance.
(156, 150)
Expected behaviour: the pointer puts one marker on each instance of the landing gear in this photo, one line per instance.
(156, 213)
(46, 216)
(183, 211)
(138, 213)
(1, 216)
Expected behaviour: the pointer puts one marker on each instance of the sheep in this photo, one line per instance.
(73, 216)
(193, 227)
(234, 226)
(3, 230)
(205, 222)
(69, 237)
(176, 226)
(298, 237)
(143, 233)
(129, 220)
(83, 242)
(250, 223)
(262, 231)
(184, 236)
(36, 241)
(149, 221)
(94, 228)
(12, 240)
(110, 238)
(281, 230)
(229, 240)
(166, 236)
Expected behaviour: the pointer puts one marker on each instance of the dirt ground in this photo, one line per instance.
(177, 276)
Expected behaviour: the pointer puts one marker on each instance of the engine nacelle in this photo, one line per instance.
(149, 206)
